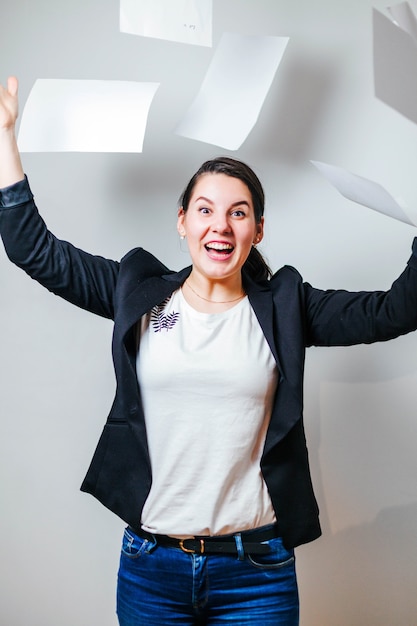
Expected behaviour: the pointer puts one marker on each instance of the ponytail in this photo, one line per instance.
(256, 267)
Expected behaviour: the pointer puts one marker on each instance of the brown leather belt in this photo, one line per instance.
(250, 540)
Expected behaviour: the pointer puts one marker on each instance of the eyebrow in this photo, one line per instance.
(234, 204)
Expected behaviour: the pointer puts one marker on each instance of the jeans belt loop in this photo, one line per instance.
(152, 544)
(239, 547)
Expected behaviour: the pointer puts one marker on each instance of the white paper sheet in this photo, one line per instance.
(404, 17)
(234, 89)
(395, 59)
(363, 191)
(85, 116)
(184, 21)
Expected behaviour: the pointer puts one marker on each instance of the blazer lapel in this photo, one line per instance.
(282, 420)
(260, 297)
(148, 293)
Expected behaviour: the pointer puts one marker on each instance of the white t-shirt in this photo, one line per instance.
(208, 383)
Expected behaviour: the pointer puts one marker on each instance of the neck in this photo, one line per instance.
(215, 292)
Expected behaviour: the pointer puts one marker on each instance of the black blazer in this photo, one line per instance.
(292, 314)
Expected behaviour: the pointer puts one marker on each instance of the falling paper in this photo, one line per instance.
(395, 59)
(185, 21)
(85, 116)
(404, 17)
(362, 191)
(234, 89)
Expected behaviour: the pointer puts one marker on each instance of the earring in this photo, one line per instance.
(182, 235)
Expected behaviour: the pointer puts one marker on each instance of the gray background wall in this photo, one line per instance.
(59, 548)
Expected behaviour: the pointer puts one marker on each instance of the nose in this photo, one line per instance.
(221, 224)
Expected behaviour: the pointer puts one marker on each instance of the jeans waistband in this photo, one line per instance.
(250, 540)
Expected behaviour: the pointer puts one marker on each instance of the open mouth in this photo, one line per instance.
(223, 249)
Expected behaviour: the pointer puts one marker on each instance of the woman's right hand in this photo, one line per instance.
(11, 170)
(9, 104)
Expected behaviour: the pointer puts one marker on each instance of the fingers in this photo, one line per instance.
(12, 85)
(8, 103)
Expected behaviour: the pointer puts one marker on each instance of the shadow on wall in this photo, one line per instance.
(362, 455)
(355, 562)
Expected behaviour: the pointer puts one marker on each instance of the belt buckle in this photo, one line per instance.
(188, 550)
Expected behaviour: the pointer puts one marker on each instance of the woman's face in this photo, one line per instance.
(220, 226)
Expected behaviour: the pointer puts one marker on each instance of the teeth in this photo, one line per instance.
(220, 246)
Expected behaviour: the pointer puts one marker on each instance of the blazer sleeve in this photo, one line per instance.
(342, 318)
(83, 279)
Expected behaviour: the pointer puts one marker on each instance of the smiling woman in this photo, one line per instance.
(203, 453)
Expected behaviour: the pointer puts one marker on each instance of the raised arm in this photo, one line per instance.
(11, 170)
(343, 318)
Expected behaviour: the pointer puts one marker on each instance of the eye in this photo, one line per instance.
(204, 210)
(238, 213)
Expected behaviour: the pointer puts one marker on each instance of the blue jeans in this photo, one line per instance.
(160, 585)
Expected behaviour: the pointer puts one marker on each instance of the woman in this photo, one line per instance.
(203, 454)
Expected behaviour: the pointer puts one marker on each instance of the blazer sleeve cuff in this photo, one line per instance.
(15, 195)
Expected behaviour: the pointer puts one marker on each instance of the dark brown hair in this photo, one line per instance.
(255, 265)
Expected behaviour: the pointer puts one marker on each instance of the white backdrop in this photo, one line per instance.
(58, 547)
